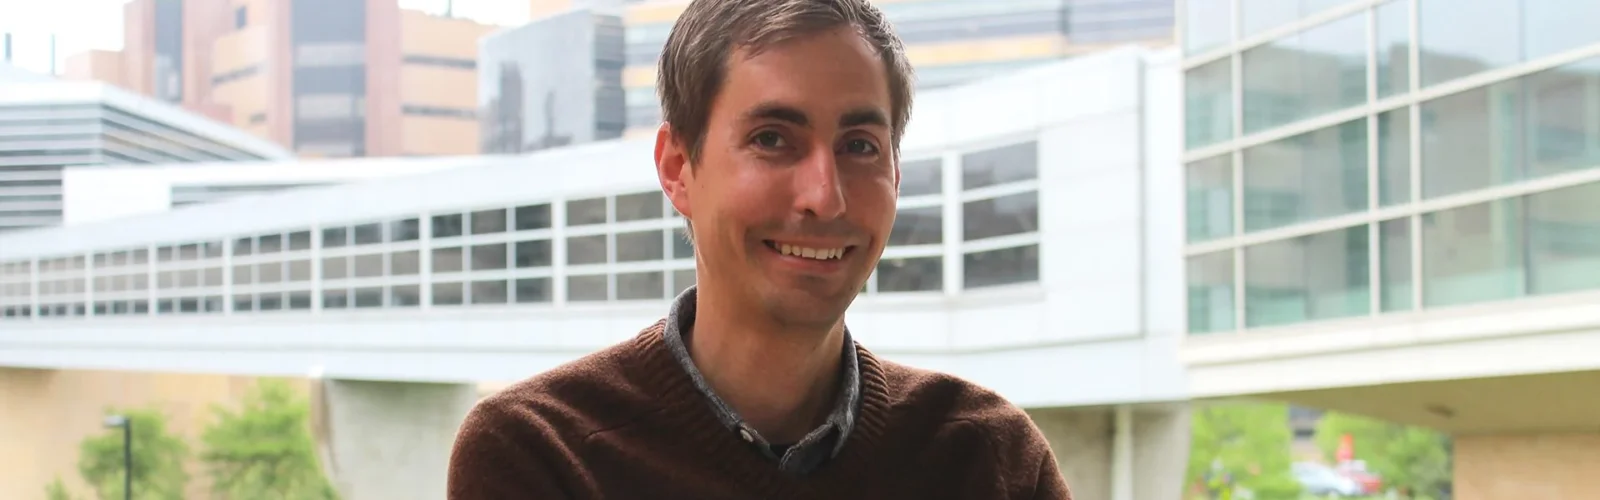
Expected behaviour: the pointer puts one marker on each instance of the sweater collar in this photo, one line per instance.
(819, 445)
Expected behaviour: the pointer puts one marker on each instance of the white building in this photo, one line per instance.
(1394, 210)
(1037, 252)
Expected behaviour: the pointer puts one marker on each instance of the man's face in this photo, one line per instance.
(794, 193)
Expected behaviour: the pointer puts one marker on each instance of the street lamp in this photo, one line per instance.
(127, 451)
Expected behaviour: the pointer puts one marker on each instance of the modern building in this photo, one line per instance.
(326, 78)
(1393, 209)
(948, 41)
(47, 125)
(552, 82)
(1037, 252)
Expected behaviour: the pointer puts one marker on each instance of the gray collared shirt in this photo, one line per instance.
(799, 458)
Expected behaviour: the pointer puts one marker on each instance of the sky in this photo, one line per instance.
(81, 25)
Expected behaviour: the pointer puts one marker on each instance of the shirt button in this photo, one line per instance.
(745, 435)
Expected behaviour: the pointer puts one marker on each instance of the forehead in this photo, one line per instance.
(825, 72)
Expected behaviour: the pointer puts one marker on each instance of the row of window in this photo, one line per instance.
(1539, 244)
(1323, 68)
(1535, 126)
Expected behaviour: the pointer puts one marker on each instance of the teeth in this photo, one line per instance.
(811, 253)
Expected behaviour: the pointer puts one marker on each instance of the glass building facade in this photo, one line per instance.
(550, 83)
(1350, 158)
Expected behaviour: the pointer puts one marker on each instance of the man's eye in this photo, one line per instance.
(769, 140)
(861, 147)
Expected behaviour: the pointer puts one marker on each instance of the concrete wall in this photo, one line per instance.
(391, 441)
(1085, 444)
(1534, 465)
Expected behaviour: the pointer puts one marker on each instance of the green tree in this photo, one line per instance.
(1244, 447)
(157, 459)
(56, 490)
(1413, 460)
(264, 450)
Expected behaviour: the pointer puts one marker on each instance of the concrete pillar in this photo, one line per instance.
(389, 440)
(1123, 453)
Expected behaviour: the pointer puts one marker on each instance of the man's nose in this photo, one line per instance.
(817, 189)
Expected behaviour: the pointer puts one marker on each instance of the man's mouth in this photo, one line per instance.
(823, 254)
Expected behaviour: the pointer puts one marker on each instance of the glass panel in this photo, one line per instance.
(369, 297)
(1394, 48)
(405, 296)
(682, 248)
(586, 212)
(533, 253)
(213, 250)
(1472, 254)
(587, 288)
(1208, 103)
(641, 246)
(368, 234)
(335, 299)
(586, 249)
(532, 290)
(269, 302)
(921, 177)
(640, 206)
(1014, 163)
(489, 221)
(1001, 267)
(1471, 140)
(641, 286)
(1318, 174)
(682, 279)
(188, 305)
(405, 230)
(1464, 38)
(1394, 156)
(335, 237)
(335, 268)
(1209, 194)
(213, 277)
(1564, 240)
(918, 274)
(300, 270)
(1394, 243)
(492, 256)
(1321, 276)
(1210, 295)
(163, 254)
(1564, 118)
(489, 292)
(1006, 215)
(405, 263)
(1257, 16)
(447, 260)
(448, 294)
(244, 303)
(300, 240)
(188, 278)
(446, 226)
(271, 243)
(299, 300)
(189, 252)
(271, 272)
(142, 256)
(367, 266)
(918, 226)
(1551, 26)
(1207, 24)
(530, 217)
(1317, 71)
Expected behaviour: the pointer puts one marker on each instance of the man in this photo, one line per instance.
(780, 146)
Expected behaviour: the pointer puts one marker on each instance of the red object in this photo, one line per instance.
(1347, 449)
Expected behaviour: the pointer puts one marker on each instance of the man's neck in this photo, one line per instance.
(781, 382)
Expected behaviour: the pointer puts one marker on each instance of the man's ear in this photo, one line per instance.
(673, 169)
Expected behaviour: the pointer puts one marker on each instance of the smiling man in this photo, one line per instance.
(781, 148)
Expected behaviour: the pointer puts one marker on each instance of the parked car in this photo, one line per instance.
(1321, 480)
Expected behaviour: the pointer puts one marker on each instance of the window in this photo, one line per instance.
(1473, 254)
(447, 226)
(640, 206)
(270, 243)
(918, 274)
(586, 249)
(367, 266)
(917, 226)
(1209, 186)
(405, 263)
(530, 217)
(333, 268)
(1564, 240)
(641, 246)
(489, 221)
(1394, 264)
(1018, 162)
(489, 257)
(368, 234)
(682, 279)
(489, 292)
(1208, 24)
(405, 296)
(1310, 73)
(1208, 102)
(1321, 276)
(335, 237)
(1001, 267)
(241, 17)
(1006, 215)
(448, 294)
(300, 240)
(1310, 176)
(404, 230)
(641, 286)
(1210, 294)
(447, 260)
(1394, 156)
(533, 253)
(921, 177)
(586, 212)
(534, 290)
(587, 288)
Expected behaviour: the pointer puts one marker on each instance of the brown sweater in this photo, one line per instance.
(628, 423)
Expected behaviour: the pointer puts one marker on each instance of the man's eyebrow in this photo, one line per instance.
(863, 116)
(780, 112)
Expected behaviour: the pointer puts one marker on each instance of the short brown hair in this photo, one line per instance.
(694, 61)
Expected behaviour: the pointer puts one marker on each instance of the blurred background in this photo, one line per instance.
(1217, 249)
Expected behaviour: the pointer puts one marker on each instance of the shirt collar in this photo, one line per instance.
(840, 421)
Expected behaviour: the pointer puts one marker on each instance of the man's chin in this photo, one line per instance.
(801, 310)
